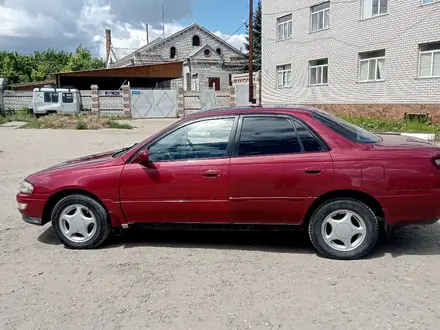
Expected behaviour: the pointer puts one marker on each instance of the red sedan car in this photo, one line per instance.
(245, 168)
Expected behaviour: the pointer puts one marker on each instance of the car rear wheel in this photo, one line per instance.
(344, 229)
(80, 222)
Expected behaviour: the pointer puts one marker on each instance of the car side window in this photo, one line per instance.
(50, 97)
(200, 140)
(308, 140)
(262, 136)
(67, 98)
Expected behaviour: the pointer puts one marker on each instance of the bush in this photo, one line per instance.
(81, 125)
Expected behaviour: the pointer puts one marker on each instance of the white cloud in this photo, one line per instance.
(29, 25)
(237, 40)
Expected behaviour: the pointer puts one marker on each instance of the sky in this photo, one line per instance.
(35, 25)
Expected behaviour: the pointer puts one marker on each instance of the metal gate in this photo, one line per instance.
(208, 99)
(242, 94)
(153, 103)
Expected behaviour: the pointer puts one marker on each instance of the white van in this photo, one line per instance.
(48, 100)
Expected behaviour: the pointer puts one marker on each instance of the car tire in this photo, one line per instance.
(343, 229)
(80, 222)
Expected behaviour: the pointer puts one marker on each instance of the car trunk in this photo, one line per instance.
(410, 162)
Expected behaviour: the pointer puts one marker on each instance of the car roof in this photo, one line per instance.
(255, 109)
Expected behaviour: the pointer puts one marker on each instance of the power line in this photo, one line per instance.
(231, 35)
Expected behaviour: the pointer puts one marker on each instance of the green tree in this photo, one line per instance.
(83, 60)
(27, 68)
(256, 35)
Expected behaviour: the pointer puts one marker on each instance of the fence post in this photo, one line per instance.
(126, 97)
(2, 101)
(181, 103)
(232, 96)
(95, 100)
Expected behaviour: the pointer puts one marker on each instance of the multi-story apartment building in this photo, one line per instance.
(381, 57)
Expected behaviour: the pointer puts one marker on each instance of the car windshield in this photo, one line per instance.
(123, 151)
(346, 129)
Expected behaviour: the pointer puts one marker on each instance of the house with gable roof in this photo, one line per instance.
(207, 60)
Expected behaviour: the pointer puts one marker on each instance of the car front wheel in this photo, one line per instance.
(344, 229)
(80, 222)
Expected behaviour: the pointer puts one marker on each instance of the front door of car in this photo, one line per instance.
(186, 180)
(277, 169)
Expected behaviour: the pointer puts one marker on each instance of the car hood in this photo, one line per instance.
(94, 160)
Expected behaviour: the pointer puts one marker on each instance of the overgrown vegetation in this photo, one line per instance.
(397, 126)
(118, 125)
(79, 122)
(18, 68)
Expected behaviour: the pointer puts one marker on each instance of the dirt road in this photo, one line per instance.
(210, 281)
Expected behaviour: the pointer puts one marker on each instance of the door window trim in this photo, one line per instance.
(236, 142)
(132, 159)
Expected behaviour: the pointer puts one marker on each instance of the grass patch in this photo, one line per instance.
(396, 126)
(79, 122)
(117, 125)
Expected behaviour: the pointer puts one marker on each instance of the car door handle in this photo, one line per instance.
(313, 170)
(212, 174)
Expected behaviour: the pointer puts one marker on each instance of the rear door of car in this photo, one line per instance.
(278, 167)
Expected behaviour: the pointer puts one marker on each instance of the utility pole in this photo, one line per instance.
(251, 53)
(163, 22)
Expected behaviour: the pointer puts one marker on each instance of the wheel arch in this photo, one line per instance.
(55, 198)
(363, 197)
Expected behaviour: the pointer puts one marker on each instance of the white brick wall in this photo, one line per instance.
(399, 32)
(183, 44)
(213, 67)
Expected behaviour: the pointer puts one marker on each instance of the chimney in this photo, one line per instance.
(108, 44)
(146, 29)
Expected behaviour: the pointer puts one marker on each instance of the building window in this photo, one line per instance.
(284, 76)
(219, 51)
(188, 81)
(284, 27)
(173, 52)
(319, 72)
(430, 60)
(195, 81)
(427, 2)
(207, 52)
(371, 8)
(320, 16)
(214, 83)
(196, 41)
(372, 65)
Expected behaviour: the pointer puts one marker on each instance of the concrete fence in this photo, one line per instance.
(118, 102)
(104, 102)
(193, 101)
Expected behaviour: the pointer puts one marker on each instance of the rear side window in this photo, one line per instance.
(67, 98)
(346, 129)
(308, 140)
(262, 136)
(50, 97)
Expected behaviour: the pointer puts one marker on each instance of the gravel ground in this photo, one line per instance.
(176, 280)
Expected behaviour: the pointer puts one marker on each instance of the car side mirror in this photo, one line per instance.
(143, 157)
